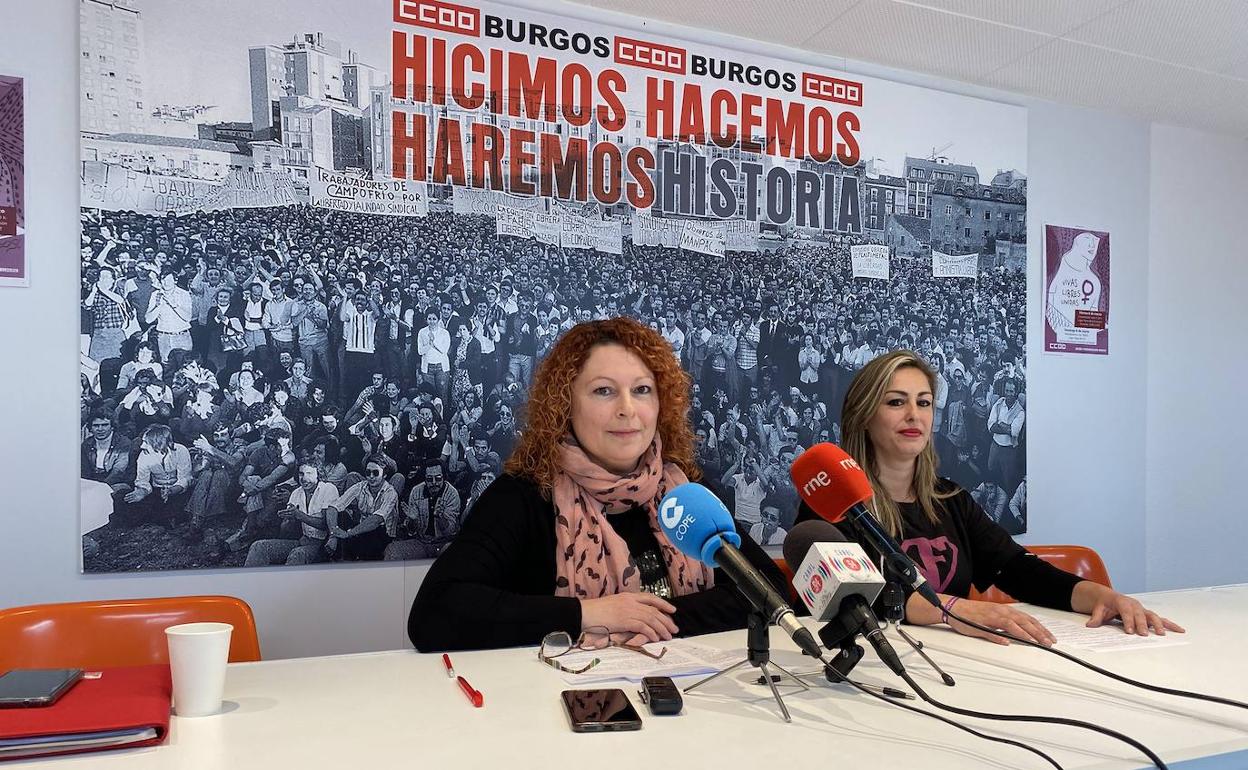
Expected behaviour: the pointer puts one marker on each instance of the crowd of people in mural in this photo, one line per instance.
(335, 386)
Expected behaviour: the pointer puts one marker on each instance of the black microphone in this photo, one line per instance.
(838, 582)
(894, 602)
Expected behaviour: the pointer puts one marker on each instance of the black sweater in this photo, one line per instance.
(965, 547)
(494, 586)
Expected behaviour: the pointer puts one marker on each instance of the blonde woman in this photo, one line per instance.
(887, 424)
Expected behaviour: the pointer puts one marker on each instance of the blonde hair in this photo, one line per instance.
(862, 400)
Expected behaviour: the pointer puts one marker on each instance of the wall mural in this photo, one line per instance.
(318, 237)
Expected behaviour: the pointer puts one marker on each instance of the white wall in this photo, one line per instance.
(1086, 422)
(1198, 360)
(1085, 431)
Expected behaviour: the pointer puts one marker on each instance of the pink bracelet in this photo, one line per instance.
(944, 612)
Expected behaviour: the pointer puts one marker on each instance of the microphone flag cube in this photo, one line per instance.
(832, 571)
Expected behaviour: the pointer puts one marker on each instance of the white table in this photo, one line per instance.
(398, 709)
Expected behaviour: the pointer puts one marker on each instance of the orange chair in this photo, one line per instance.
(122, 632)
(1075, 559)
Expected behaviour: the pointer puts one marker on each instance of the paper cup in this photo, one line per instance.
(198, 653)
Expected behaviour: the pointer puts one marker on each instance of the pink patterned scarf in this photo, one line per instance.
(591, 560)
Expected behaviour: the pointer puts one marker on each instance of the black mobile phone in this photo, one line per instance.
(594, 711)
(23, 687)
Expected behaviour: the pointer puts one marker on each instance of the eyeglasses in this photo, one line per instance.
(375, 473)
(558, 643)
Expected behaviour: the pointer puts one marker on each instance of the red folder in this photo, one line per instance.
(137, 697)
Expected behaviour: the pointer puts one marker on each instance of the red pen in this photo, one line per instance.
(446, 661)
(478, 700)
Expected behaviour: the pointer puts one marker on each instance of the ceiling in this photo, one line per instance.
(1181, 62)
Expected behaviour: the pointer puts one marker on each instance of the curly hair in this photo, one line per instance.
(548, 415)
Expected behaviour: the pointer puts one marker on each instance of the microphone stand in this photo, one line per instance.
(758, 654)
(918, 647)
(894, 611)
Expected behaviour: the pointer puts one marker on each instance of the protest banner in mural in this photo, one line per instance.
(388, 197)
(869, 261)
(954, 265)
(116, 188)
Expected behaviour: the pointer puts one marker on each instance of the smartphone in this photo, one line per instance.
(595, 711)
(24, 687)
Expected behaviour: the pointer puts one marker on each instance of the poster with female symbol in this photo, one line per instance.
(12, 194)
(1076, 294)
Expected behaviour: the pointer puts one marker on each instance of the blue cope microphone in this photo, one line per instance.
(699, 525)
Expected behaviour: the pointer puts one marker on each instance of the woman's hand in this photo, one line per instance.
(1000, 616)
(644, 614)
(1104, 604)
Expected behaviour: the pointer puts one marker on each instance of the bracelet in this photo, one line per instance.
(944, 611)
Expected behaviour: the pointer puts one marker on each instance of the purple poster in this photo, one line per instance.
(1076, 295)
(12, 174)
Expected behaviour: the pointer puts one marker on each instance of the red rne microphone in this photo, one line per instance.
(834, 485)
(830, 481)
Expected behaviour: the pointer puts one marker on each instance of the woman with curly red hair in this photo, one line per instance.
(567, 538)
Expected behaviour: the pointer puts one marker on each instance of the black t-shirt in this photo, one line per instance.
(964, 547)
(494, 585)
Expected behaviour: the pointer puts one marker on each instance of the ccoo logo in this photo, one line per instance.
(670, 513)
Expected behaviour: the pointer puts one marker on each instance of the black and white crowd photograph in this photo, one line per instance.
(246, 365)
(268, 379)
